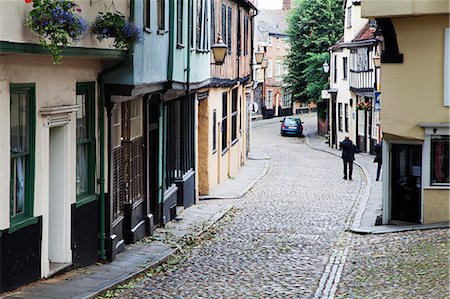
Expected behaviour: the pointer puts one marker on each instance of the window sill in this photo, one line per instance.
(437, 187)
(161, 32)
(148, 30)
(202, 51)
(234, 141)
(21, 224)
(224, 151)
(214, 152)
(83, 200)
(180, 46)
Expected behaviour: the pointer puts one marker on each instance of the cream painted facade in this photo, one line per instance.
(13, 16)
(54, 179)
(414, 108)
(216, 165)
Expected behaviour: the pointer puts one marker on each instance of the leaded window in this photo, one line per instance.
(234, 114)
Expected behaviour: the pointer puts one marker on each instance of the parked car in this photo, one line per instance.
(291, 126)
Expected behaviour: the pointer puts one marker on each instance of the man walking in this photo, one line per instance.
(378, 148)
(348, 156)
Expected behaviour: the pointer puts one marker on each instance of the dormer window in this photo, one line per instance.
(349, 17)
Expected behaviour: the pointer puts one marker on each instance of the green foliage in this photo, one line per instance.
(115, 25)
(314, 26)
(58, 24)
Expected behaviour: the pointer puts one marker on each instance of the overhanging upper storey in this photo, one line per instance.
(400, 8)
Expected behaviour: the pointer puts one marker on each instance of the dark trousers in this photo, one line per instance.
(350, 170)
(378, 170)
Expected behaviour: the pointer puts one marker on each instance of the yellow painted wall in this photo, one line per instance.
(412, 91)
(214, 168)
(436, 205)
(388, 8)
(203, 147)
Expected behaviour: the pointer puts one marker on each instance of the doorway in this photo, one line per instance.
(59, 230)
(406, 180)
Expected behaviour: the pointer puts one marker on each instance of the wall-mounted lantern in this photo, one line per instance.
(264, 63)
(326, 67)
(219, 50)
(259, 56)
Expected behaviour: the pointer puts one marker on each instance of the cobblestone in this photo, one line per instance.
(279, 241)
(397, 265)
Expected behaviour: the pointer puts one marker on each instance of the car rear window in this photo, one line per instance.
(292, 121)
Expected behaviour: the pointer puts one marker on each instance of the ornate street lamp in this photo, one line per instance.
(326, 67)
(219, 50)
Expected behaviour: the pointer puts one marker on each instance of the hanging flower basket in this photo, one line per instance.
(58, 24)
(367, 106)
(115, 25)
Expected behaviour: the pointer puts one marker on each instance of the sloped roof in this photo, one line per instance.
(273, 22)
(365, 33)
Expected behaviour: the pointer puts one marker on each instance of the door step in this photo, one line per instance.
(55, 268)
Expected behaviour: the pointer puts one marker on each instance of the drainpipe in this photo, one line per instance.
(101, 107)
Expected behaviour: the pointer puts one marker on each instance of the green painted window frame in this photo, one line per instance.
(88, 89)
(25, 218)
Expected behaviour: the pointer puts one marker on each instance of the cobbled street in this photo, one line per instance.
(287, 239)
(281, 237)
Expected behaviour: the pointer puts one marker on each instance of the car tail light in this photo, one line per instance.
(283, 126)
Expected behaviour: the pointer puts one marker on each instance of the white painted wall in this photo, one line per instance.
(55, 86)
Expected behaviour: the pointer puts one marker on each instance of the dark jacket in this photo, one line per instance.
(348, 150)
(378, 148)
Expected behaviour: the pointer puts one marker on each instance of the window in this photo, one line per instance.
(234, 114)
(238, 35)
(344, 67)
(22, 122)
(270, 68)
(135, 117)
(340, 116)
(214, 131)
(202, 41)
(286, 100)
(224, 23)
(335, 69)
(85, 132)
(147, 14)
(230, 16)
(362, 59)
(349, 17)
(116, 120)
(440, 161)
(246, 35)
(269, 99)
(278, 72)
(179, 22)
(213, 23)
(161, 14)
(224, 121)
(346, 117)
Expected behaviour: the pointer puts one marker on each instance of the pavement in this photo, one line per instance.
(371, 202)
(358, 215)
(150, 252)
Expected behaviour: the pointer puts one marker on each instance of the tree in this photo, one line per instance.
(314, 26)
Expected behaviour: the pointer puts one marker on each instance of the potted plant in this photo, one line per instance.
(58, 24)
(115, 25)
(364, 106)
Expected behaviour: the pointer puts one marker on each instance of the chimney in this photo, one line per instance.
(287, 4)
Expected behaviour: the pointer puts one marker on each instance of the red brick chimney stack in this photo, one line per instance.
(287, 4)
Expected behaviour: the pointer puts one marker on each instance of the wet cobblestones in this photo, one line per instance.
(281, 237)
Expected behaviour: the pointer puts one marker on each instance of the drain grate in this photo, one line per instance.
(301, 236)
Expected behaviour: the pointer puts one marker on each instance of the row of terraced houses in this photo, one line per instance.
(99, 150)
(389, 77)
